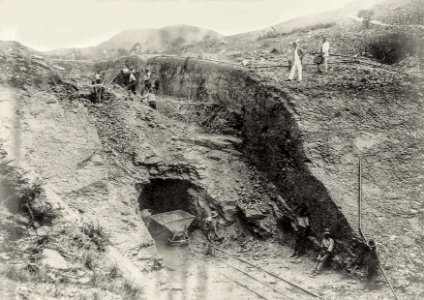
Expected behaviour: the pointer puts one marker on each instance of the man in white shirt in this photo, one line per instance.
(296, 62)
(325, 53)
(327, 246)
(97, 77)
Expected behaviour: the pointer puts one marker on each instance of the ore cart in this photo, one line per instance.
(177, 222)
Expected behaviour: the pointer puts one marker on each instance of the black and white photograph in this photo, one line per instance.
(212, 149)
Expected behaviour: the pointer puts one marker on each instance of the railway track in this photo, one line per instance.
(262, 284)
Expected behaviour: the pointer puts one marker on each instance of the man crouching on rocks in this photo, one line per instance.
(327, 246)
(210, 228)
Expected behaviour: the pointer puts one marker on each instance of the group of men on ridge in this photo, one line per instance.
(298, 53)
(128, 79)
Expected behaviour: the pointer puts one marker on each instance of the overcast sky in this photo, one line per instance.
(49, 24)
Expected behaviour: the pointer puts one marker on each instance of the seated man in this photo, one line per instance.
(327, 246)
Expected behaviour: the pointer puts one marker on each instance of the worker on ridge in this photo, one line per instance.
(125, 74)
(324, 55)
(97, 92)
(97, 77)
(302, 228)
(132, 82)
(296, 62)
(372, 264)
(147, 80)
(327, 247)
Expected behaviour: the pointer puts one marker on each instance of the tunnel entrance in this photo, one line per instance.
(167, 194)
(163, 195)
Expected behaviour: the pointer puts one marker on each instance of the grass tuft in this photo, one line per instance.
(96, 233)
(130, 291)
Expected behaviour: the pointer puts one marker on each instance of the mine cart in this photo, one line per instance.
(177, 222)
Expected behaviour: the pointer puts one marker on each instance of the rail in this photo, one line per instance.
(304, 290)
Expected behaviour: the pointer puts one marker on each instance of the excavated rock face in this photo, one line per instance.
(272, 139)
(306, 138)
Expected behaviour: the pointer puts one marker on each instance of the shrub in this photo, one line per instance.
(391, 48)
(89, 261)
(115, 272)
(21, 194)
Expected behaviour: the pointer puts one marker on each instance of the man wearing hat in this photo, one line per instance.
(296, 62)
(147, 80)
(302, 230)
(132, 85)
(327, 246)
(210, 228)
(372, 264)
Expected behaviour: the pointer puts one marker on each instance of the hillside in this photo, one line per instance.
(400, 12)
(336, 16)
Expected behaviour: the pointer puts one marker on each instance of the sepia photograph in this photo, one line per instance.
(212, 149)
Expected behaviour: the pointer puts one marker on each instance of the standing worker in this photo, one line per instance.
(296, 62)
(302, 230)
(132, 84)
(324, 55)
(147, 80)
(97, 77)
(125, 74)
(327, 246)
(372, 264)
(97, 91)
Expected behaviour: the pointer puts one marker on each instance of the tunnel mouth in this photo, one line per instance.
(162, 195)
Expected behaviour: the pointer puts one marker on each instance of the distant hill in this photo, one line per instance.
(166, 39)
(174, 39)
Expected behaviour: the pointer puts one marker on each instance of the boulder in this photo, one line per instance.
(53, 259)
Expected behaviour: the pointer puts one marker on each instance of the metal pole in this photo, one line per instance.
(360, 225)
(360, 197)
